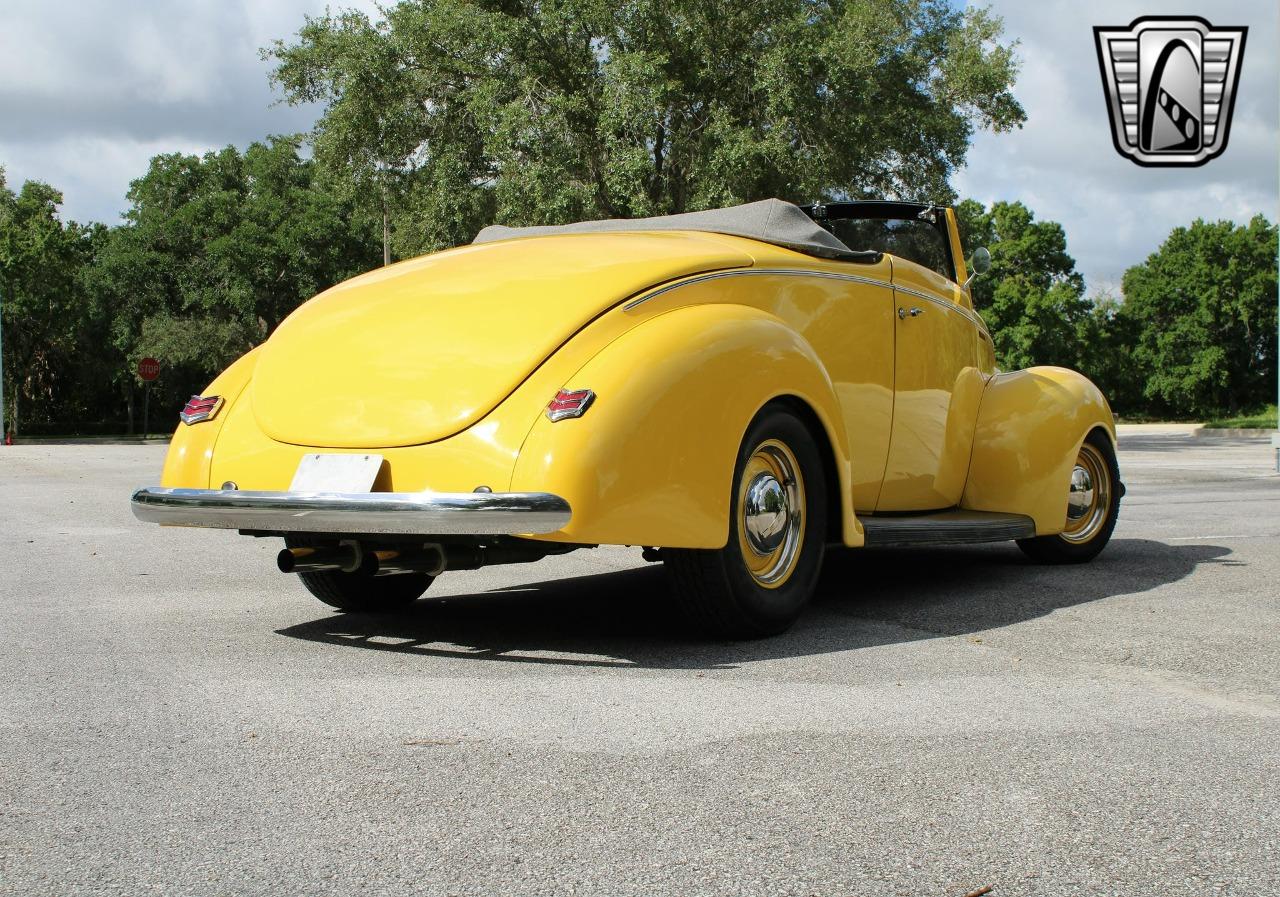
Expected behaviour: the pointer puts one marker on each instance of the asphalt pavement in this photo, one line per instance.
(176, 717)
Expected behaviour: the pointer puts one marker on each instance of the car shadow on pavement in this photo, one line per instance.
(865, 598)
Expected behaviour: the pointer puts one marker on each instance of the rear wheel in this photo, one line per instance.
(760, 582)
(360, 592)
(354, 593)
(1093, 504)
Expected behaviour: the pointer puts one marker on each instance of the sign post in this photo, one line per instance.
(148, 370)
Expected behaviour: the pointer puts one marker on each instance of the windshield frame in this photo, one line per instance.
(889, 210)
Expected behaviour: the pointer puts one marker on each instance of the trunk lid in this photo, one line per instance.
(421, 350)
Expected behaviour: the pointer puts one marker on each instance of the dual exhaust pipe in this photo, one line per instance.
(431, 559)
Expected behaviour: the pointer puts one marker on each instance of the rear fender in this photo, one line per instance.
(1030, 427)
(651, 461)
(191, 450)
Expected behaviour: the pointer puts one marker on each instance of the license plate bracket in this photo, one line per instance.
(318, 472)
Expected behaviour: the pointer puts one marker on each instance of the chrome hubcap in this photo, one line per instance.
(1081, 497)
(1089, 498)
(767, 514)
(771, 514)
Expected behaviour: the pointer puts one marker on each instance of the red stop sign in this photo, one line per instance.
(148, 369)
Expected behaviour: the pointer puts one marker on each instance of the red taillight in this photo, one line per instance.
(200, 408)
(570, 403)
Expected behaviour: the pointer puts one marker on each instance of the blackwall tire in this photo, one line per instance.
(760, 582)
(361, 593)
(1094, 520)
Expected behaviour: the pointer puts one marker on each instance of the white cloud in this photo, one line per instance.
(1062, 163)
(90, 91)
(92, 172)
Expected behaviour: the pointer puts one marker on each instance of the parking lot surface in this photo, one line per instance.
(180, 718)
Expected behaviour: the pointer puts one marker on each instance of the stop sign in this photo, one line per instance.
(148, 369)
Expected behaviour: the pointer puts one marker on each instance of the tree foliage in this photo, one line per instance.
(1194, 334)
(45, 311)
(1107, 339)
(215, 251)
(454, 113)
(1033, 298)
(1204, 309)
(246, 236)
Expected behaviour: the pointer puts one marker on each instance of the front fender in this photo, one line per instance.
(1030, 427)
(651, 462)
(187, 463)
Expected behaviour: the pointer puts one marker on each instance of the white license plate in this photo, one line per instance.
(336, 473)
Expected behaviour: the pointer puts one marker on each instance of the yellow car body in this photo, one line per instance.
(444, 366)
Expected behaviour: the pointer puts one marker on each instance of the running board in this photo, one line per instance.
(946, 527)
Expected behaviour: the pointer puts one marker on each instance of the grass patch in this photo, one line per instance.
(1264, 419)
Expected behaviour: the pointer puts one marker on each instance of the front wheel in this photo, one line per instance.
(1093, 504)
(760, 582)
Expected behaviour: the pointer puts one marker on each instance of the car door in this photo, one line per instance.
(938, 384)
(846, 313)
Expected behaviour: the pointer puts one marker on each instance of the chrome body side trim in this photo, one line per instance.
(740, 272)
(797, 272)
(408, 513)
(943, 303)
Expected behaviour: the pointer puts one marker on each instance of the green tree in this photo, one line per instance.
(45, 315)
(1107, 338)
(215, 251)
(453, 113)
(1204, 306)
(1033, 298)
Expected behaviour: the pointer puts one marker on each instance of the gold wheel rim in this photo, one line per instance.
(771, 514)
(1088, 496)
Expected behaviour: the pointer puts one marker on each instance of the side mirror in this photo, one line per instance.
(979, 264)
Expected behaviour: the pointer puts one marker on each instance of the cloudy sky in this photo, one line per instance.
(1062, 163)
(91, 89)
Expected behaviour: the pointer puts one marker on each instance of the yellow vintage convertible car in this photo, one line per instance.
(732, 391)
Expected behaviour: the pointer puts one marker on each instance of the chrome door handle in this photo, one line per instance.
(915, 312)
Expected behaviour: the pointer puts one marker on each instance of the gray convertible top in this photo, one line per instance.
(769, 220)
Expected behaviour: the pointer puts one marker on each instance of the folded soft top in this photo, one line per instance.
(769, 220)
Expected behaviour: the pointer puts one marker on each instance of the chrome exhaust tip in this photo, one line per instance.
(349, 556)
(424, 559)
(430, 559)
(346, 558)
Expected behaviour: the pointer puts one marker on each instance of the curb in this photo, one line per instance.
(1207, 432)
(91, 440)
(1158, 429)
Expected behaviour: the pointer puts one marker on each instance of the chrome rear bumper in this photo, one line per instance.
(407, 513)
